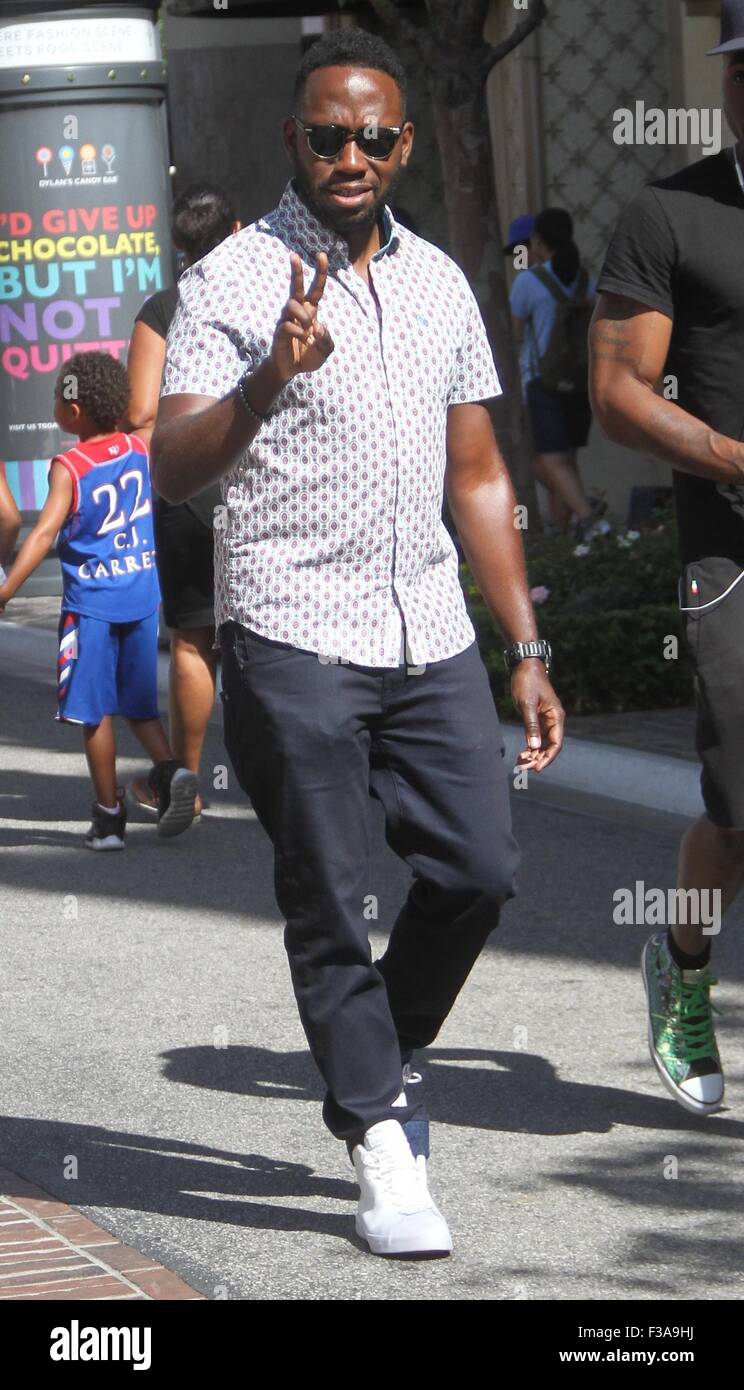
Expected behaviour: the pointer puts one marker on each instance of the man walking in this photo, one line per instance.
(672, 304)
(334, 413)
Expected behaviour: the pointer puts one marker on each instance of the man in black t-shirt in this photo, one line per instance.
(667, 377)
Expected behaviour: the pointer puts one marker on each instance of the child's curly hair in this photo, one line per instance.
(97, 382)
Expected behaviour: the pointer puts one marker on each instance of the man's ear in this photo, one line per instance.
(289, 138)
(408, 129)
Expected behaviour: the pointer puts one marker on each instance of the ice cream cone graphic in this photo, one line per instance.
(43, 157)
(66, 157)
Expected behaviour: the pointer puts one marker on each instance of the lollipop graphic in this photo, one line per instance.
(109, 154)
(66, 156)
(88, 158)
(43, 156)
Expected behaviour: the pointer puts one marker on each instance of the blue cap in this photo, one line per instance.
(521, 230)
(732, 28)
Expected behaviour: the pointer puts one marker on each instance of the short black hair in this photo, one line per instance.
(201, 218)
(351, 48)
(99, 383)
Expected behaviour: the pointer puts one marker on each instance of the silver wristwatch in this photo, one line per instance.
(520, 651)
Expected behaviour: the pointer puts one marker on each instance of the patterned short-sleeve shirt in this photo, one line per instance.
(332, 536)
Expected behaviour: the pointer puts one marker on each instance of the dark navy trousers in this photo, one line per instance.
(310, 741)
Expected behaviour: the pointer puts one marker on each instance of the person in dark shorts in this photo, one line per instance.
(560, 419)
(671, 310)
(202, 217)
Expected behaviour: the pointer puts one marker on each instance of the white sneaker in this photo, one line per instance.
(396, 1214)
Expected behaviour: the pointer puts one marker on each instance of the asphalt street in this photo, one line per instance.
(154, 1071)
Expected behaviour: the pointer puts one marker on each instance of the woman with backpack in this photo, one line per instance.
(552, 305)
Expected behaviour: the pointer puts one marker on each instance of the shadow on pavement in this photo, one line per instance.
(502, 1092)
(509, 1092)
(135, 1172)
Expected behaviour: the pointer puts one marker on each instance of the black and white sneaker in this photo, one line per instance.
(107, 828)
(176, 788)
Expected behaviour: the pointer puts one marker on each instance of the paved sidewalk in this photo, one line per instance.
(149, 1030)
(49, 1250)
(667, 732)
(34, 612)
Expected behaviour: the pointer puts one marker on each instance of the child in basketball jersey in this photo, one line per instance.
(101, 504)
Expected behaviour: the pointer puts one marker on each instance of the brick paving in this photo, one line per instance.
(49, 1250)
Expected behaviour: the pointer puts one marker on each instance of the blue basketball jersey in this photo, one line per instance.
(106, 545)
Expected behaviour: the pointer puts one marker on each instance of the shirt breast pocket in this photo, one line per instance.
(427, 354)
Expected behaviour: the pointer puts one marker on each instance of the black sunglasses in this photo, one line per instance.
(327, 141)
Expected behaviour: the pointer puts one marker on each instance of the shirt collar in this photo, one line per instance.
(304, 232)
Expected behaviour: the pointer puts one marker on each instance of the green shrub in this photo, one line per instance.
(608, 615)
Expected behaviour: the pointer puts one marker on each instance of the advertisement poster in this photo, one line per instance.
(84, 240)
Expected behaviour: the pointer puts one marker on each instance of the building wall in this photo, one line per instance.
(594, 59)
(230, 86)
(694, 27)
(552, 104)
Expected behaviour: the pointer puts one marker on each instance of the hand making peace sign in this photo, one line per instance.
(301, 342)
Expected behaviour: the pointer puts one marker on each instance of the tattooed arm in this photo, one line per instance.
(629, 344)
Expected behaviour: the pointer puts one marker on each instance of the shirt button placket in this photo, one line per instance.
(388, 367)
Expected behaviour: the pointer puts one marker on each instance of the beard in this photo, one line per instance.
(333, 217)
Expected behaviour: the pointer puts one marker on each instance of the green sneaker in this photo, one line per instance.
(680, 1029)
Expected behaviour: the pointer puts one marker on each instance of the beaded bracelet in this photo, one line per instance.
(242, 392)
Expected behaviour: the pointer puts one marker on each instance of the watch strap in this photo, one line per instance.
(523, 651)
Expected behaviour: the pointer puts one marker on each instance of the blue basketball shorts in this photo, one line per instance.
(106, 668)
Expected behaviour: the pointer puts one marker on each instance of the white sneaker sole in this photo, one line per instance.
(184, 789)
(110, 842)
(383, 1248)
(400, 1249)
(695, 1107)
